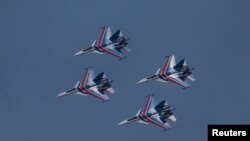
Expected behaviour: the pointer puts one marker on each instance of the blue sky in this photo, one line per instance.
(38, 40)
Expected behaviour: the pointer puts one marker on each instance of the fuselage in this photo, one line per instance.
(119, 45)
(144, 117)
(184, 72)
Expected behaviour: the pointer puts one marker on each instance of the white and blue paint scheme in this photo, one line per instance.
(113, 44)
(175, 73)
(97, 86)
(155, 114)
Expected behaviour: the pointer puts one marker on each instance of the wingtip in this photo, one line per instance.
(105, 26)
(122, 58)
(166, 129)
(169, 55)
(150, 95)
(90, 67)
(105, 100)
(186, 87)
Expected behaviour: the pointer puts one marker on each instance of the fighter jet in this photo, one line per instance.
(109, 43)
(157, 115)
(90, 85)
(176, 73)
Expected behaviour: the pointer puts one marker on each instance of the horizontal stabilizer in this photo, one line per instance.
(172, 118)
(126, 49)
(168, 125)
(191, 77)
(110, 91)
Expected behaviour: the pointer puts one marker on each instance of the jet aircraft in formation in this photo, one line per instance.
(113, 44)
(97, 86)
(176, 73)
(155, 114)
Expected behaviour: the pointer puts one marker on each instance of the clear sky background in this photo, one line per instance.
(38, 40)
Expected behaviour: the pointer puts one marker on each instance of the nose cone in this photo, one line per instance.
(78, 53)
(142, 81)
(62, 94)
(123, 122)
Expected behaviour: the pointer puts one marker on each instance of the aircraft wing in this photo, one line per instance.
(107, 36)
(149, 105)
(87, 78)
(158, 121)
(103, 42)
(104, 37)
(155, 119)
(169, 63)
(96, 93)
(108, 33)
(177, 80)
(172, 61)
(113, 51)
